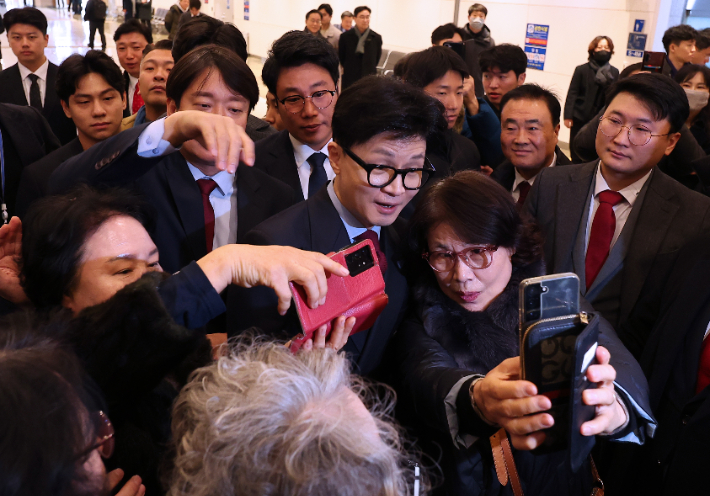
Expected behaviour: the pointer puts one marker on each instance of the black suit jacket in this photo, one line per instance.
(34, 182)
(355, 65)
(669, 216)
(258, 128)
(504, 174)
(29, 138)
(316, 226)
(274, 155)
(13, 92)
(168, 185)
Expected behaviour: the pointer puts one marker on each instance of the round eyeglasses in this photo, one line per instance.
(320, 99)
(379, 176)
(638, 136)
(477, 257)
(103, 429)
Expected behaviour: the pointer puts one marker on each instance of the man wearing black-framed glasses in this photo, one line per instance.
(378, 155)
(302, 73)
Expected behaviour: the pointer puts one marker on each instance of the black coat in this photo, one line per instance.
(274, 156)
(585, 96)
(13, 92)
(474, 44)
(355, 65)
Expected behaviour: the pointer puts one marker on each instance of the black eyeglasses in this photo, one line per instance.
(379, 176)
(103, 429)
(320, 99)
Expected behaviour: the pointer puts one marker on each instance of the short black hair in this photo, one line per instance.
(676, 34)
(26, 15)
(361, 8)
(422, 68)
(313, 11)
(638, 66)
(195, 4)
(534, 91)
(505, 57)
(158, 45)
(702, 41)
(328, 9)
(234, 71)
(206, 30)
(77, 66)
(133, 26)
(477, 7)
(445, 32)
(663, 97)
(295, 49)
(54, 232)
(376, 105)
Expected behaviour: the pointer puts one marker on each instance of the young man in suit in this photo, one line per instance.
(91, 90)
(131, 38)
(360, 48)
(530, 125)
(32, 80)
(200, 200)
(302, 72)
(377, 121)
(617, 220)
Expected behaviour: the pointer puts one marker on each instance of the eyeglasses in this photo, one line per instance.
(638, 136)
(104, 434)
(477, 257)
(320, 100)
(379, 176)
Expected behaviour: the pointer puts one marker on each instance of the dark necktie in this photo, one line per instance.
(523, 189)
(35, 96)
(206, 187)
(600, 236)
(704, 369)
(372, 236)
(318, 176)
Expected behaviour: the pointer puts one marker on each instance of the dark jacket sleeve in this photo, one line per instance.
(49, 140)
(485, 130)
(573, 92)
(190, 298)
(585, 141)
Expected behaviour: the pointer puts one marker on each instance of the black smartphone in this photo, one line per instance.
(654, 61)
(459, 48)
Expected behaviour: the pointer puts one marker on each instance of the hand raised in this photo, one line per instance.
(10, 252)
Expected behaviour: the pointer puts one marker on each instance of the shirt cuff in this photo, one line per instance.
(151, 142)
(638, 419)
(455, 407)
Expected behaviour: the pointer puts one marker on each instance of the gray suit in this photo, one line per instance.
(665, 217)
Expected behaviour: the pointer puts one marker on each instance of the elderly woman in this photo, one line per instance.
(457, 353)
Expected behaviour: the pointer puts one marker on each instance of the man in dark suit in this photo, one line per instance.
(32, 80)
(378, 121)
(200, 201)
(360, 48)
(616, 221)
(131, 38)
(91, 90)
(302, 72)
(530, 126)
(193, 11)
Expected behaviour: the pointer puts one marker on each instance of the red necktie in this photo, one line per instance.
(600, 236)
(372, 236)
(206, 186)
(523, 189)
(137, 99)
(704, 369)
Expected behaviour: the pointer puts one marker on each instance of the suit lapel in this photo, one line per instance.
(188, 202)
(50, 95)
(327, 230)
(15, 89)
(249, 202)
(283, 164)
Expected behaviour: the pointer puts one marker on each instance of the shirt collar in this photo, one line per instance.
(352, 225)
(301, 151)
(224, 180)
(519, 179)
(41, 72)
(630, 193)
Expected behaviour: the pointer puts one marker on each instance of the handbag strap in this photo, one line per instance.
(504, 462)
(598, 489)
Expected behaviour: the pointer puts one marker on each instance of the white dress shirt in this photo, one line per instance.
(132, 82)
(621, 210)
(515, 192)
(301, 152)
(41, 82)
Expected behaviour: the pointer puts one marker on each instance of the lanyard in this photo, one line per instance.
(2, 173)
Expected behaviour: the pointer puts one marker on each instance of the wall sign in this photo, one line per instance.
(536, 45)
(638, 25)
(246, 10)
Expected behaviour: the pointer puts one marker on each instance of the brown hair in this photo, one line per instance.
(596, 41)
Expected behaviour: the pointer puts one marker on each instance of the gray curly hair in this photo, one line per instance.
(262, 421)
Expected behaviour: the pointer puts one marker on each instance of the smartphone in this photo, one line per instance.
(459, 48)
(361, 294)
(654, 61)
(547, 297)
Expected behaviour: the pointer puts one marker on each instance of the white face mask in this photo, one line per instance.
(697, 99)
(476, 23)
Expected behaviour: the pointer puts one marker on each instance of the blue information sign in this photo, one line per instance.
(536, 57)
(634, 53)
(638, 25)
(636, 41)
(536, 45)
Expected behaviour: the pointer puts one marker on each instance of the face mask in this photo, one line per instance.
(601, 57)
(697, 99)
(476, 23)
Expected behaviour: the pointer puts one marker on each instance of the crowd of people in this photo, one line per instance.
(152, 226)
